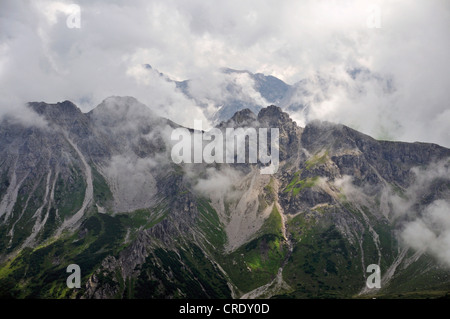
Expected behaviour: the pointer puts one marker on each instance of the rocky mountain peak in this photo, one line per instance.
(273, 114)
(119, 103)
(116, 109)
(318, 134)
(65, 109)
(104, 195)
(242, 116)
(64, 114)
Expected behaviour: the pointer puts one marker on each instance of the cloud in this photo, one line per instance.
(219, 183)
(44, 60)
(20, 113)
(431, 232)
(346, 187)
(220, 89)
(424, 227)
(133, 184)
(41, 59)
(404, 205)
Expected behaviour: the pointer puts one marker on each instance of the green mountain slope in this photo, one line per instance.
(99, 190)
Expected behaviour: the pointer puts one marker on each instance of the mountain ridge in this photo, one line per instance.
(149, 228)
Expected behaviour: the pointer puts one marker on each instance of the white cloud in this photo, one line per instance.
(431, 231)
(424, 228)
(219, 183)
(42, 59)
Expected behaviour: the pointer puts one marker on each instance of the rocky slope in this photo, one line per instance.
(100, 190)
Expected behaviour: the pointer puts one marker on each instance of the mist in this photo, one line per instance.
(422, 226)
(388, 80)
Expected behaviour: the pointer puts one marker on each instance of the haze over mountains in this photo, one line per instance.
(357, 89)
(99, 189)
(389, 82)
(227, 91)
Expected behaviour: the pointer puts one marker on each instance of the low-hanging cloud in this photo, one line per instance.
(424, 227)
(22, 114)
(431, 232)
(403, 205)
(219, 183)
(132, 182)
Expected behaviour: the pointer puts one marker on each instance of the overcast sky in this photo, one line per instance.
(45, 57)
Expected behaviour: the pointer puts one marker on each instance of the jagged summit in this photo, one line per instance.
(64, 114)
(65, 108)
(272, 112)
(102, 191)
(243, 116)
(116, 106)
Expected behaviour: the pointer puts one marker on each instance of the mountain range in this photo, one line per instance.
(99, 190)
(227, 91)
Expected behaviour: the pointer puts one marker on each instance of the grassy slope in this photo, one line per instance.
(41, 272)
(257, 262)
(322, 265)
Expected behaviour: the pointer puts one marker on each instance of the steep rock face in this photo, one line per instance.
(243, 117)
(100, 190)
(273, 117)
(392, 160)
(38, 167)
